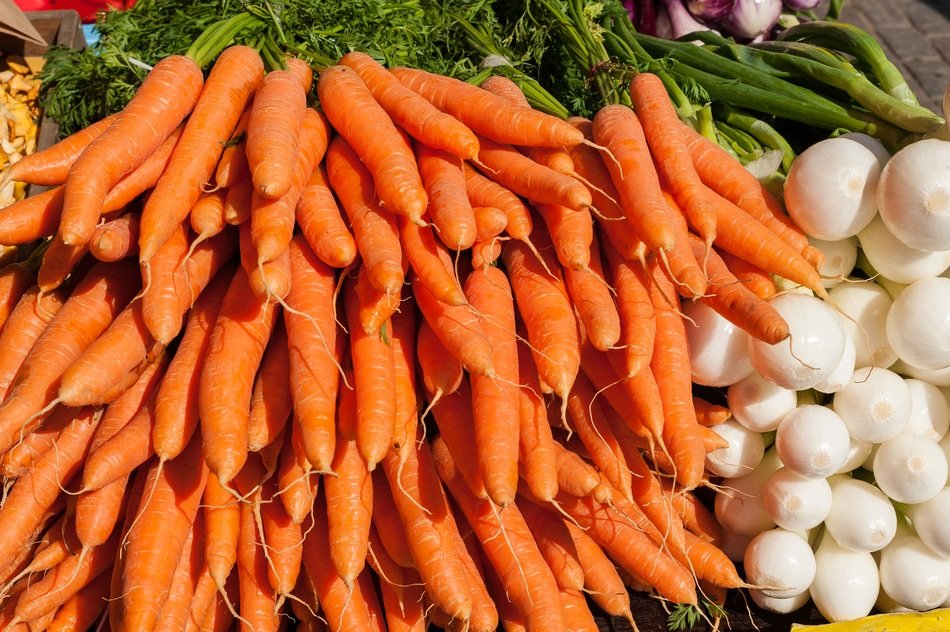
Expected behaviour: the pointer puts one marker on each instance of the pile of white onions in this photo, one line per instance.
(835, 484)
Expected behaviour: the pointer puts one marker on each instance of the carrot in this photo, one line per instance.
(617, 393)
(176, 404)
(646, 411)
(269, 281)
(218, 618)
(59, 262)
(709, 414)
(343, 605)
(548, 317)
(457, 328)
(449, 207)
(374, 385)
(555, 543)
(412, 113)
(233, 158)
(242, 328)
(29, 318)
(375, 230)
(118, 456)
(631, 549)
(402, 338)
(164, 99)
(535, 442)
(495, 400)
(321, 222)
(156, 538)
(237, 201)
(484, 192)
(313, 345)
(18, 460)
(162, 282)
(757, 280)
(431, 531)
(349, 495)
(222, 518)
(509, 547)
(484, 613)
(33, 495)
(15, 280)
(282, 540)
(142, 178)
(453, 416)
(431, 262)
(271, 403)
(97, 512)
(207, 215)
(590, 423)
(571, 231)
(638, 325)
(298, 486)
(234, 77)
(441, 373)
(374, 306)
(273, 218)
(116, 239)
(577, 614)
(663, 131)
(375, 139)
(257, 601)
(738, 304)
(574, 475)
(50, 166)
(64, 581)
(489, 222)
(401, 590)
(670, 365)
(277, 114)
(117, 414)
(488, 114)
(593, 301)
(91, 307)
(618, 128)
(724, 175)
(387, 524)
(202, 601)
(83, 609)
(486, 253)
(177, 606)
(165, 312)
(601, 579)
(31, 218)
(523, 176)
(511, 618)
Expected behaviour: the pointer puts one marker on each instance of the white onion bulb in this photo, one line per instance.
(797, 503)
(862, 518)
(744, 453)
(718, 350)
(929, 410)
(910, 468)
(758, 404)
(918, 324)
(846, 582)
(895, 260)
(779, 563)
(875, 405)
(864, 307)
(812, 441)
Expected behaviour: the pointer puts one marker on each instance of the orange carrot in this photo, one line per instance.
(271, 404)
(176, 404)
(402, 338)
(738, 304)
(412, 113)
(222, 519)
(319, 218)
(488, 114)
(489, 222)
(93, 304)
(670, 360)
(555, 543)
(375, 139)
(459, 330)
(118, 456)
(162, 288)
(237, 201)
(453, 416)
(548, 317)
(709, 414)
(207, 215)
(59, 262)
(431, 262)
(374, 229)
(601, 579)
(536, 444)
(168, 95)
(484, 612)
(312, 342)
(638, 326)
(83, 609)
(235, 75)
(143, 177)
(177, 606)
(449, 207)
(388, 526)
(298, 486)
(617, 128)
(509, 547)
(349, 494)
(495, 400)
(486, 253)
(268, 281)
(577, 615)
(375, 307)
(257, 601)
(116, 239)
(50, 166)
(272, 218)
(401, 590)
(484, 192)
(31, 218)
(441, 373)
(757, 280)
(156, 538)
(26, 321)
(31, 496)
(233, 158)
(18, 460)
(282, 541)
(593, 301)
(242, 328)
(663, 131)
(572, 232)
(277, 114)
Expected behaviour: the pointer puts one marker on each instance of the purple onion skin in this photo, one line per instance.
(709, 10)
(681, 20)
(751, 18)
(631, 10)
(645, 17)
(801, 5)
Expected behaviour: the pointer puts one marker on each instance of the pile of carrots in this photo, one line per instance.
(414, 357)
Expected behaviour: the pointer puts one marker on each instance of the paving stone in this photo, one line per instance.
(934, 77)
(922, 15)
(880, 12)
(907, 43)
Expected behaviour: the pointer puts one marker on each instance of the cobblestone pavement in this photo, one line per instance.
(916, 36)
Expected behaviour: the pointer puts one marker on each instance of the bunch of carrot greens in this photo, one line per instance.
(456, 314)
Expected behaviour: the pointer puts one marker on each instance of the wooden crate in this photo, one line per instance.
(62, 28)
